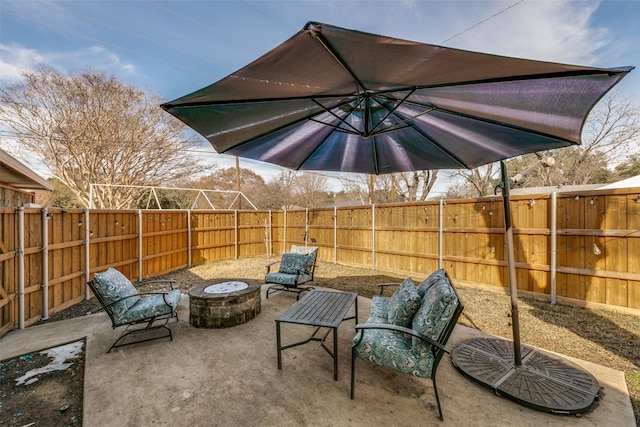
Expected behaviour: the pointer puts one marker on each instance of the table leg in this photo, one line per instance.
(356, 309)
(279, 345)
(335, 354)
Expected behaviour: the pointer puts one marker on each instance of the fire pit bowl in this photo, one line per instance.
(223, 304)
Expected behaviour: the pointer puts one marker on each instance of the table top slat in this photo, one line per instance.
(319, 308)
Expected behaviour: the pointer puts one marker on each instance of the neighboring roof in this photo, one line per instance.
(625, 183)
(634, 181)
(19, 176)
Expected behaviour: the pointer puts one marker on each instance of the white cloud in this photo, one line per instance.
(559, 31)
(15, 58)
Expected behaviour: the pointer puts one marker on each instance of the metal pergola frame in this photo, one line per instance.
(153, 195)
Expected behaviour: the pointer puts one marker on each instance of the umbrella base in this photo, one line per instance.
(543, 381)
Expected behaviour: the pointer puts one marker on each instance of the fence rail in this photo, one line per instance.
(581, 247)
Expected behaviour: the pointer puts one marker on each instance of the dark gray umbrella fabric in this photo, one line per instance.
(341, 100)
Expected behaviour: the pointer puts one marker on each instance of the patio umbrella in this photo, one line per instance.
(334, 99)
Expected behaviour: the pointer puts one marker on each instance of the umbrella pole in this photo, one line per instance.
(511, 263)
(538, 380)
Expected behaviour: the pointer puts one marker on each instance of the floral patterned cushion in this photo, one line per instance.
(429, 281)
(392, 349)
(379, 309)
(311, 252)
(147, 307)
(403, 304)
(292, 263)
(112, 286)
(438, 305)
(287, 279)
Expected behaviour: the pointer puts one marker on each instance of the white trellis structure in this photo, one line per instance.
(153, 200)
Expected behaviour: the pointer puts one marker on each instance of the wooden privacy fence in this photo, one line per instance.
(583, 247)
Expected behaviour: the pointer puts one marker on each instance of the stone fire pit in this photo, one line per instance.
(223, 304)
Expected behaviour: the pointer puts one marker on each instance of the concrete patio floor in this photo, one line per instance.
(229, 377)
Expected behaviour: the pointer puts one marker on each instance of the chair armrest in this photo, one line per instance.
(383, 286)
(270, 265)
(403, 330)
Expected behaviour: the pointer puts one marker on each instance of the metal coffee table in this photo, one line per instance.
(322, 309)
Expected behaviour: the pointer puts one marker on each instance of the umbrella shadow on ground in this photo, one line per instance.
(364, 288)
(591, 326)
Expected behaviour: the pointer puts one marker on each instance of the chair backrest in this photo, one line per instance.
(111, 286)
(311, 252)
(438, 314)
(306, 250)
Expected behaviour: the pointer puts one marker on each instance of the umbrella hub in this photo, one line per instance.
(368, 113)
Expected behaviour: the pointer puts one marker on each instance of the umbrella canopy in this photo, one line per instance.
(341, 100)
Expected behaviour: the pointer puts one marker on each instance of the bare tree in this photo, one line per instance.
(280, 191)
(397, 187)
(252, 186)
(92, 128)
(311, 190)
(477, 182)
(609, 138)
(414, 186)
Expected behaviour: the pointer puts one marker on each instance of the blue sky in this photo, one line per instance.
(175, 47)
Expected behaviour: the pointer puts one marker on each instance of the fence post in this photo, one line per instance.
(270, 248)
(20, 253)
(45, 263)
(554, 245)
(440, 233)
(373, 236)
(235, 231)
(335, 235)
(139, 245)
(189, 238)
(284, 247)
(87, 266)
(306, 227)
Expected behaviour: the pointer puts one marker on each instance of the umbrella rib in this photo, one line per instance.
(337, 128)
(389, 112)
(355, 131)
(338, 59)
(207, 103)
(505, 125)
(524, 77)
(440, 147)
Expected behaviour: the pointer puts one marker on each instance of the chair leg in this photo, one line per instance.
(353, 372)
(150, 327)
(435, 389)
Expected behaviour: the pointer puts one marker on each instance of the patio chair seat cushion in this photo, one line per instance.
(403, 304)
(392, 349)
(149, 307)
(287, 279)
(292, 263)
(438, 305)
(112, 286)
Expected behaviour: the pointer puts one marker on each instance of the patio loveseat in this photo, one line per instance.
(409, 330)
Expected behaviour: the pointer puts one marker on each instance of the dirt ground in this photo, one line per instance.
(605, 337)
(51, 398)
